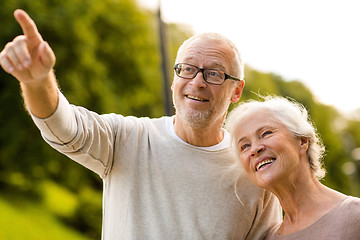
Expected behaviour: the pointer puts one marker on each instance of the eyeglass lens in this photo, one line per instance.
(210, 75)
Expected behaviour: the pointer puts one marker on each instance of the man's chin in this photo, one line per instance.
(196, 119)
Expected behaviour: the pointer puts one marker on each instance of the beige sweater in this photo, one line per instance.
(155, 186)
(341, 223)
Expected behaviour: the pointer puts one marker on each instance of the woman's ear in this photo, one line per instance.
(304, 143)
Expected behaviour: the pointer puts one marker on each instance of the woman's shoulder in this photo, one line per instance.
(351, 215)
(349, 207)
(350, 201)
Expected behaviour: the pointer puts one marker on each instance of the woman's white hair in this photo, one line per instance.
(293, 116)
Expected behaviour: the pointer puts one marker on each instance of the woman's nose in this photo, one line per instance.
(257, 149)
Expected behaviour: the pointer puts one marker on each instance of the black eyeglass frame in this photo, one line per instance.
(227, 76)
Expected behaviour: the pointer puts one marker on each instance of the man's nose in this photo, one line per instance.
(199, 80)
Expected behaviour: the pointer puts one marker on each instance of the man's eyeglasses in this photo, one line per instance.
(212, 76)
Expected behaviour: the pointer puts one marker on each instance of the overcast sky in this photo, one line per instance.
(314, 41)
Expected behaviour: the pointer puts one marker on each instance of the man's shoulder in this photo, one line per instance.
(133, 120)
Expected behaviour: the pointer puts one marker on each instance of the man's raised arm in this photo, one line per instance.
(31, 60)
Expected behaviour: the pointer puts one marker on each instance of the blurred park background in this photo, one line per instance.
(109, 60)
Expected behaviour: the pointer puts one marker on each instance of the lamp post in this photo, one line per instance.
(169, 110)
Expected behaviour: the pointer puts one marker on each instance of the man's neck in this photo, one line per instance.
(201, 136)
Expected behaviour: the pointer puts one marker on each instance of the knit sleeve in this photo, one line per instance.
(80, 134)
(60, 127)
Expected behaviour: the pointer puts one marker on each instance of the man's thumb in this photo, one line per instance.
(46, 55)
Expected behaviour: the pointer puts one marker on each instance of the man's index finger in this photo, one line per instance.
(28, 26)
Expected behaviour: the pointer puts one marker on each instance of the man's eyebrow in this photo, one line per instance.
(218, 65)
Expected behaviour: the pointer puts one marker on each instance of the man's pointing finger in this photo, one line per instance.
(28, 26)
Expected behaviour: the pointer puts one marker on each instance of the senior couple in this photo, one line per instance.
(185, 176)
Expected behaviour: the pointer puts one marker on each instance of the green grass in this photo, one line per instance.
(29, 220)
(57, 199)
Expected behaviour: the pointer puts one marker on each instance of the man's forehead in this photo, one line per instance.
(196, 59)
(209, 56)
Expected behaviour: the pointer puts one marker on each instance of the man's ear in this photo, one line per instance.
(237, 91)
(172, 86)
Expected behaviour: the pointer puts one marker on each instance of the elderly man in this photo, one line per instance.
(166, 178)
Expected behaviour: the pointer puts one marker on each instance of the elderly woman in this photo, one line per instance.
(280, 150)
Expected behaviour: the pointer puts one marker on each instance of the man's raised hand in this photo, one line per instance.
(28, 57)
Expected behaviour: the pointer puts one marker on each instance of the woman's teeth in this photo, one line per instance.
(263, 163)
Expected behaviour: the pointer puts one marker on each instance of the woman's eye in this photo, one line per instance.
(244, 146)
(266, 133)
